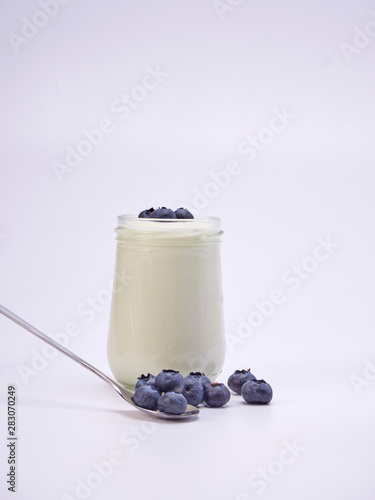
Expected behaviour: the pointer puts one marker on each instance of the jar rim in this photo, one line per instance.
(150, 224)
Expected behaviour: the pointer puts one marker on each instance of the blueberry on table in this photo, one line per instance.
(193, 391)
(145, 380)
(256, 392)
(169, 381)
(216, 395)
(163, 213)
(183, 213)
(172, 402)
(146, 214)
(238, 378)
(147, 397)
(198, 376)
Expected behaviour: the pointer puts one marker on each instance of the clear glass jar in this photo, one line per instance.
(167, 303)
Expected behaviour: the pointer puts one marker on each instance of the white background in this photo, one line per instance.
(226, 72)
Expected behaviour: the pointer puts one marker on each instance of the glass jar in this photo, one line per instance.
(167, 303)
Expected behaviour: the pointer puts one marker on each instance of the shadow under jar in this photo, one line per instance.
(167, 302)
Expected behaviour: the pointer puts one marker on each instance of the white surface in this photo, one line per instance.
(221, 81)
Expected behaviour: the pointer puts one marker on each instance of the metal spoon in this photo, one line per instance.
(124, 393)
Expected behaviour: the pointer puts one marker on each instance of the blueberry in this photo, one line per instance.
(193, 391)
(145, 380)
(147, 397)
(256, 392)
(183, 213)
(238, 378)
(169, 381)
(146, 214)
(198, 376)
(163, 213)
(216, 395)
(173, 403)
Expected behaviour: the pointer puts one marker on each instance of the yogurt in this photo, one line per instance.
(167, 303)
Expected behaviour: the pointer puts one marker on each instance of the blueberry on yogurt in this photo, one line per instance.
(146, 214)
(163, 213)
(183, 213)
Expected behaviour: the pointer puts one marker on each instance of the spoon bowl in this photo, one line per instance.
(122, 391)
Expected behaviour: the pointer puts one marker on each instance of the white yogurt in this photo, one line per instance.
(167, 305)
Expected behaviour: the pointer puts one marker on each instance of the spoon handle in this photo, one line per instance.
(10, 315)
